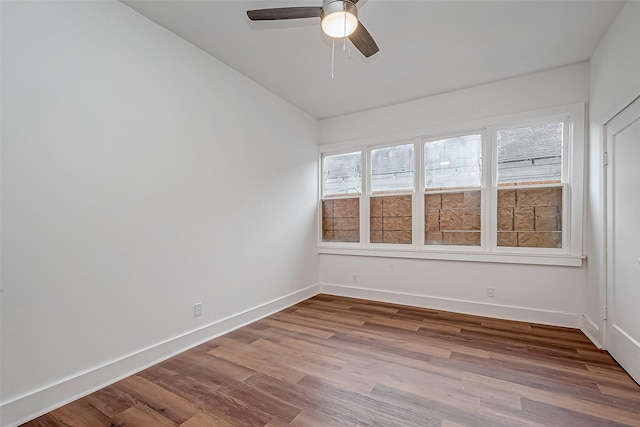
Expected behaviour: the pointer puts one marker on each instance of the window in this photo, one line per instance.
(341, 176)
(390, 205)
(392, 169)
(453, 163)
(453, 178)
(530, 154)
(529, 178)
(510, 191)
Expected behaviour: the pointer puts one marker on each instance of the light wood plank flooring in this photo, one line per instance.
(333, 361)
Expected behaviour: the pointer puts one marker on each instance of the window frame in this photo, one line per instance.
(365, 236)
(571, 253)
(482, 188)
(565, 184)
(358, 196)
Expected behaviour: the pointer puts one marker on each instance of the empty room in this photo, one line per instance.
(319, 213)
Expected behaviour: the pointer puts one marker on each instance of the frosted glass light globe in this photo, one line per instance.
(339, 24)
(339, 18)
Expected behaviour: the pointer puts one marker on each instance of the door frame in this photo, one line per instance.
(622, 120)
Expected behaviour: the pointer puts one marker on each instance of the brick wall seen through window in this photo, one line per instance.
(341, 220)
(453, 218)
(530, 217)
(390, 219)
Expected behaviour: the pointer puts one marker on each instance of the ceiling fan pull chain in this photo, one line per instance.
(344, 39)
(333, 56)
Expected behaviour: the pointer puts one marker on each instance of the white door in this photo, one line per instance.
(623, 238)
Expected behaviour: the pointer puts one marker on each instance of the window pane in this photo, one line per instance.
(530, 154)
(390, 219)
(341, 220)
(454, 162)
(452, 218)
(392, 168)
(530, 217)
(341, 174)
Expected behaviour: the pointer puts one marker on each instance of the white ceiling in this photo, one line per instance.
(426, 47)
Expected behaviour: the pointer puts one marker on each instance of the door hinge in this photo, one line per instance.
(605, 313)
(605, 159)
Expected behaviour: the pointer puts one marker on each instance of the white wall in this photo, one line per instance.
(534, 293)
(548, 294)
(139, 176)
(614, 82)
(559, 86)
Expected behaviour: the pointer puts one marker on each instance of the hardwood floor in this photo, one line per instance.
(333, 361)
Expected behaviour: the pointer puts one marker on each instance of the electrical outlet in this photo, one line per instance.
(197, 309)
(491, 292)
(354, 279)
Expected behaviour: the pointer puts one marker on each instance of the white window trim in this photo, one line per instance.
(571, 253)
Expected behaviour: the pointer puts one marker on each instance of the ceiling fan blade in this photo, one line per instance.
(283, 13)
(362, 40)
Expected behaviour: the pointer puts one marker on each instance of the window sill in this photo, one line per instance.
(504, 258)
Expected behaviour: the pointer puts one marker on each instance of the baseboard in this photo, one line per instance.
(626, 350)
(592, 331)
(546, 317)
(31, 405)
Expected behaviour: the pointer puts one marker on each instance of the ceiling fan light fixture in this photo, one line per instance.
(339, 18)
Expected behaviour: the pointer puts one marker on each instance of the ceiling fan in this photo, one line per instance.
(338, 19)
